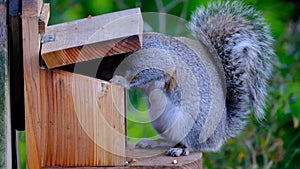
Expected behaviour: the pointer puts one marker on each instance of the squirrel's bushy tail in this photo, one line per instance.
(240, 37)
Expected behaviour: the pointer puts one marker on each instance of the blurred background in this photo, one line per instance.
(271, 143)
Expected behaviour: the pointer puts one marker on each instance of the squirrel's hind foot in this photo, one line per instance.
(178, 150)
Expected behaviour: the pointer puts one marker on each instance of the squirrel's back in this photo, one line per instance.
(240, 37)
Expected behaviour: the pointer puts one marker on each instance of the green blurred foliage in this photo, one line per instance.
(22, 144)
(137, 119)
(271, 143)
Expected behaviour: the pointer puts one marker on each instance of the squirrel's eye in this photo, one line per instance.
(245, 50)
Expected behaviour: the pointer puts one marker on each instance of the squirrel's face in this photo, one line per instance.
(147, 80)
(144, 69)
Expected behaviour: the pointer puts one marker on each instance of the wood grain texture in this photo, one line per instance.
(93, 37)
(31, 8)
(31, 47)
(71, 120)
(44, 18)
(158, 160)
(82, 121)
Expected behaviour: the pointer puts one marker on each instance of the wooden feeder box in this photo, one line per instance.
(73, 120)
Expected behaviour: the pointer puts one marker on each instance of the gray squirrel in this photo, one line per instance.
(201, 92)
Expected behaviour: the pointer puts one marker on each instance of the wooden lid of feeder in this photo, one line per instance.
(91, 38)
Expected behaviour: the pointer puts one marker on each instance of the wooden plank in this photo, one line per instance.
(157, 159)
(31, 8)
(44, 18)
(31, 47)
(56, 134)
(82, 121)
(5, 129)
(93, 37)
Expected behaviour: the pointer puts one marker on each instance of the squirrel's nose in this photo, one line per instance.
(119, 80)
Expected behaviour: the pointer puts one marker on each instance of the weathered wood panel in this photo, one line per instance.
(93, 37)
(71, 120)
(31, 47)
(156, 160)
(44, 18)
(82, 121)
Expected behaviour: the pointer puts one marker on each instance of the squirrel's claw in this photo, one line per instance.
(176, 152)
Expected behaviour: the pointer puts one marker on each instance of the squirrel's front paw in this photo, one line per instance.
(149, 143)
(176, 152)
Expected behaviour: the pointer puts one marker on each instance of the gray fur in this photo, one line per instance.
(224, 75)
(242, 40)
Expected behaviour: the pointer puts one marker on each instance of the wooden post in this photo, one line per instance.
(5, 129)
(72, 120)
(31, 45)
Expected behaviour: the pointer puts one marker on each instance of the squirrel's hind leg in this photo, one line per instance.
(178, 150)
